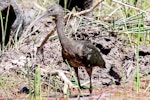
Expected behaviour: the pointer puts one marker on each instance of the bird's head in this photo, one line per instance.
(54, 10)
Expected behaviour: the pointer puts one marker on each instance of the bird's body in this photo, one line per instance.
(82, 53)
(77, 53)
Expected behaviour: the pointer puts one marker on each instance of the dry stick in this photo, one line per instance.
(129, 6)
(77, 14)
(88, 10)
(46, 38)
(62, 76)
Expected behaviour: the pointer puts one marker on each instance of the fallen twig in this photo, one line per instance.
(88, 10)
(124, 4)
(62, 76)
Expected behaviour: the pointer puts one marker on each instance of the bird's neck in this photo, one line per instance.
(60, 30)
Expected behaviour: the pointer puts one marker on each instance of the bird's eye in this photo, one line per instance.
(50, 10)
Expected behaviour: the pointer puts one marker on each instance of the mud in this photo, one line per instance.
(119, 55)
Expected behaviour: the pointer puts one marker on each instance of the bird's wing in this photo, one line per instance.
(91, 56)
(85, 52)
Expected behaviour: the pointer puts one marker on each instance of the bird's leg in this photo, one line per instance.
(89, 71)
(76, 71)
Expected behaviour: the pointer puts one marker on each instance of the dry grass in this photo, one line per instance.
(123, 19)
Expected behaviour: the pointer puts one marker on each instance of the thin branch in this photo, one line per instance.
(88, 10)
(62, 76)
(124, 4)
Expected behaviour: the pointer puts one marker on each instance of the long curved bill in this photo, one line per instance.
(46, 14)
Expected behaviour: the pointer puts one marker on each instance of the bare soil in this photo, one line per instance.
(116, 82)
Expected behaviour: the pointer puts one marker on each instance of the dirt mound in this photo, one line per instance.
(121, 59)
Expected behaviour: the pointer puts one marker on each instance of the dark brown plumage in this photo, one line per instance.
(77, 53)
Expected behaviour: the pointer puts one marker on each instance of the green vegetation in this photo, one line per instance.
(127, 20)
(37, 85)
